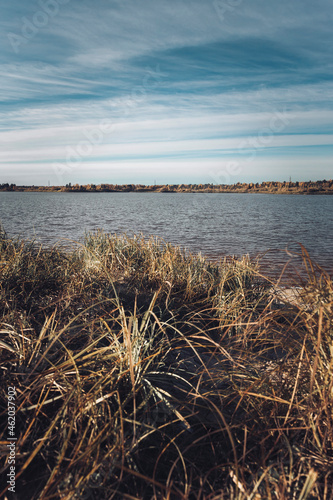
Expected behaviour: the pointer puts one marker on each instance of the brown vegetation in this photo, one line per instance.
(317, 187)
(142, 372)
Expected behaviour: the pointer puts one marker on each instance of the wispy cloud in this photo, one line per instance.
(175, 81)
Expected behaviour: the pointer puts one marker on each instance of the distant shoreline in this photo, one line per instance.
(307, 188)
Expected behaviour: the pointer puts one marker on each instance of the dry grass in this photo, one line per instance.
(142, 372)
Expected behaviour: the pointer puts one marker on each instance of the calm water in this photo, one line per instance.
(215, 224)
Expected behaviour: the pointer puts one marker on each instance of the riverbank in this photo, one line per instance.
(144, 372)
(308, 188)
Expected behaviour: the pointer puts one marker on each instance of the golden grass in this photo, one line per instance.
(144, 372)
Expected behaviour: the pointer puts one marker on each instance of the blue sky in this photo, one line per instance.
(177, 91)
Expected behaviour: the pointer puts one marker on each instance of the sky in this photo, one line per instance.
(165, 91)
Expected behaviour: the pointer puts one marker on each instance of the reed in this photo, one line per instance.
(145, 372)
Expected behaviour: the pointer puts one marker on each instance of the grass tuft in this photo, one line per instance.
(142, 371)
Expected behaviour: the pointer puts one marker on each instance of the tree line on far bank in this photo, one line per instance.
(308, 187)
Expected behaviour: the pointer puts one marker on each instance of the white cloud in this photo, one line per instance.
(90, 64)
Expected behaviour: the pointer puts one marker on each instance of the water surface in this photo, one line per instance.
(214, 224)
